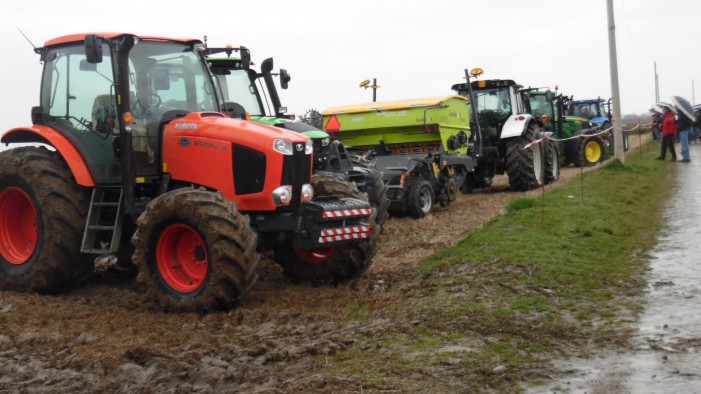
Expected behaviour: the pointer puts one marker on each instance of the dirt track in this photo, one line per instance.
(103, 336)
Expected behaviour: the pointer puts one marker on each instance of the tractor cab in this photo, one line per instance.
(82, 98)
(495, 101)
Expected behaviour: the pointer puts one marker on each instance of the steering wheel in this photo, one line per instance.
(156, 100)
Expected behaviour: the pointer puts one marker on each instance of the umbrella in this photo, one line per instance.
(662, 104)
(655, 109)
(685, 106)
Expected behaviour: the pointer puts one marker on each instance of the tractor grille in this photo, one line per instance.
(249, 170)
(296, 171)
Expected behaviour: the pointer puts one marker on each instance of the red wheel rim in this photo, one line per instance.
(19, 232)
(313, 256)
(181, 257)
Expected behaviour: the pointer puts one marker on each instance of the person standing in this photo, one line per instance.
(656, 125)
(669, 129)
(683, 128)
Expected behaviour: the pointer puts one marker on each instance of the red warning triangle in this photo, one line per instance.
(332, 124)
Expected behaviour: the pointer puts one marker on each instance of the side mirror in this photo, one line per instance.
(245, 58)
(549, 96)
(93, 49)
(285, 78)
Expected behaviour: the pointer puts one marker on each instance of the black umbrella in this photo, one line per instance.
(685, 106)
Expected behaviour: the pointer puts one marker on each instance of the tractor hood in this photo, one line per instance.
(218, 127)
(292, 125)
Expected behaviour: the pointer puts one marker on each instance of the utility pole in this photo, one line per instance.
(657, 86)
(693, 93)
(617, 132)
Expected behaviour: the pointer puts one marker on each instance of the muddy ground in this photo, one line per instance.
(103, 336)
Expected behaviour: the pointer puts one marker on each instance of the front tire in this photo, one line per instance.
(329, 264)
(525, 166)
(590, 151)
(42, 218)
(195, 251)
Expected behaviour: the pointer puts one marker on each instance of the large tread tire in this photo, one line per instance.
(525, 167)
(381, 203)
(552, 162)
(228, 251)
(54, 263)
(590, 151)
(342, 262)
(420, 199)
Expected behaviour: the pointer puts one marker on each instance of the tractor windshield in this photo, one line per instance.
(166, 80)
(494, 108)
(238, 87)
(586, 110)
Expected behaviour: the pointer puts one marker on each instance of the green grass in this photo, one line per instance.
(548, 279)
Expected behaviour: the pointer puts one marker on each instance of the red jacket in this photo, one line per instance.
(669, 124)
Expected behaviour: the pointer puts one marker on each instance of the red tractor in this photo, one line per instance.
(139, 148)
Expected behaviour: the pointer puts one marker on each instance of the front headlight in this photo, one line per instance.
(283, 146)
(309, 147)
(325, 141)
(282, 195)
(307, 192)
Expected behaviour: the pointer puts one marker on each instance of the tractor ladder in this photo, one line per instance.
(103, 228)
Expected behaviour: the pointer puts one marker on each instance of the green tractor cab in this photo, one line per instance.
(579, 151)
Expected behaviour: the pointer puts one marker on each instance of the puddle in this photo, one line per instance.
(665, 355)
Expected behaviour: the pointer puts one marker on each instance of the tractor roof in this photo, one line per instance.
(391, 105)
(486, 84)
(81, 37)
(592, 101)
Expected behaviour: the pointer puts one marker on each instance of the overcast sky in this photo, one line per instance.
(415, 48)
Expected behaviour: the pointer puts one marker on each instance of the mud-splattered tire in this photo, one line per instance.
(195, 251)
(336, 263)
(420, 199)
(381, 202)
(525, 166)
(42, 218)
(590, 151)
(552, 162)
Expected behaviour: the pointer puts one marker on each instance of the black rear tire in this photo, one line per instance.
(525, 167)
(224, 251)
(335, 264)
(34, 179)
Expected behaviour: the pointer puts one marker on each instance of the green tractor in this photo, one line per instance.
(581, 152)
(420, 145)
(241, 88)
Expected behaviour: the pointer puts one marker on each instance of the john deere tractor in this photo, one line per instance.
(141, 151)
(581, 142)
(244, 93)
